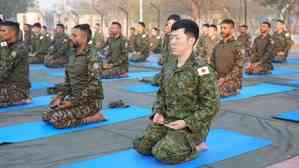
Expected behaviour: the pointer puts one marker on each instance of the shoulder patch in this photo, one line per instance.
(90, 42)
(14, 54)
(287, 35)
(144, 36)
(3, 44)
(41, 37)
(203, 71)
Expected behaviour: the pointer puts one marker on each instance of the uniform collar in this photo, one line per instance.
(232, 39)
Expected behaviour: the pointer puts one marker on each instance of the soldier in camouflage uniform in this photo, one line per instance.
(82, 97)
(211, 41)
(132, 39)
(200, 47)
(141, 46)
(39, 47)
(98, 39)
(228, 60)
(116, 63)
(155, 41)
(245, 39)
(27, 35)
(1, 38)
(282, 43)
(261, 57)
(58, 52)
(14, 68)
(187, 101)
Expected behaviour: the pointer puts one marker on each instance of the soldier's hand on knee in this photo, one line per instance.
(158, 119)
(177, 125)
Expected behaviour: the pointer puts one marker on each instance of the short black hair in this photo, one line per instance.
(14, 25)
(281, 21)
(60, 25)
(174, 17)
(190, 27)
(45, 27)
(244, 25)
(229, 22)
(142, 24)
(206, 25)
(85, 28)
(214, 26)
(116, 23)
(267, 23)
(38, 25)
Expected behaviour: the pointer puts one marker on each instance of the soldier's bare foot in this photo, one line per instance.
(202, 147)
(96, 118)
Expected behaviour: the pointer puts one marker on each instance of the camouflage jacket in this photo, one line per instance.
(208, 48)
(142, 44)
(200, 46)
(155, 44)
(118, 53)
(282, 42)
(98, 40)
(59, 45)
(261, 51)
(245, 40)
(228, 59)
(189, 93)
(40, 43)
(14, 66)
(83, 78)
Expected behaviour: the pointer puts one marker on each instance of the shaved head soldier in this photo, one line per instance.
(14, 68)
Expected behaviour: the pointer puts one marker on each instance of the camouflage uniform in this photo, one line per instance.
(200, 46)
(261, 58)
(118, 57)
(282, 43)
(58, 52)
(131, 42)
(39, 48)
(228, 60)
(245, 40)
(141, 48)
(188, 94)
(27, 39)
(83, 88)
(155, 44)
(208, 48)
(14, 74)
(98, 40)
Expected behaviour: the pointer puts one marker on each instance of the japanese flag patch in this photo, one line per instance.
(203, 71)
(3, 44)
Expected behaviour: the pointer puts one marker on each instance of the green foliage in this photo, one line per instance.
(10, 8)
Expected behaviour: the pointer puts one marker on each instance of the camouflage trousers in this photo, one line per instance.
(72, 117)
(53, 61)
(259, 69)
(230, 87)
(134, 57)
(37, 59)
(115, 72)
(11, 94)
(166, 145)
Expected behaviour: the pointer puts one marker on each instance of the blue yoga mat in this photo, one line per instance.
(290, 116)
(41, 85)
(259, 90)
(36, 102)
(246, 92)
(142, 88)
(222, 145)
(294, 82)
(38, 67)
(38, 129)
(275, 72)
(151, 62)
(132, 75)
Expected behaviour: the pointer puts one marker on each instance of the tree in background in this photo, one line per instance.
(10, 8)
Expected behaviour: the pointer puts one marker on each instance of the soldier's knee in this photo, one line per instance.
(140, 145)
(166, 154)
